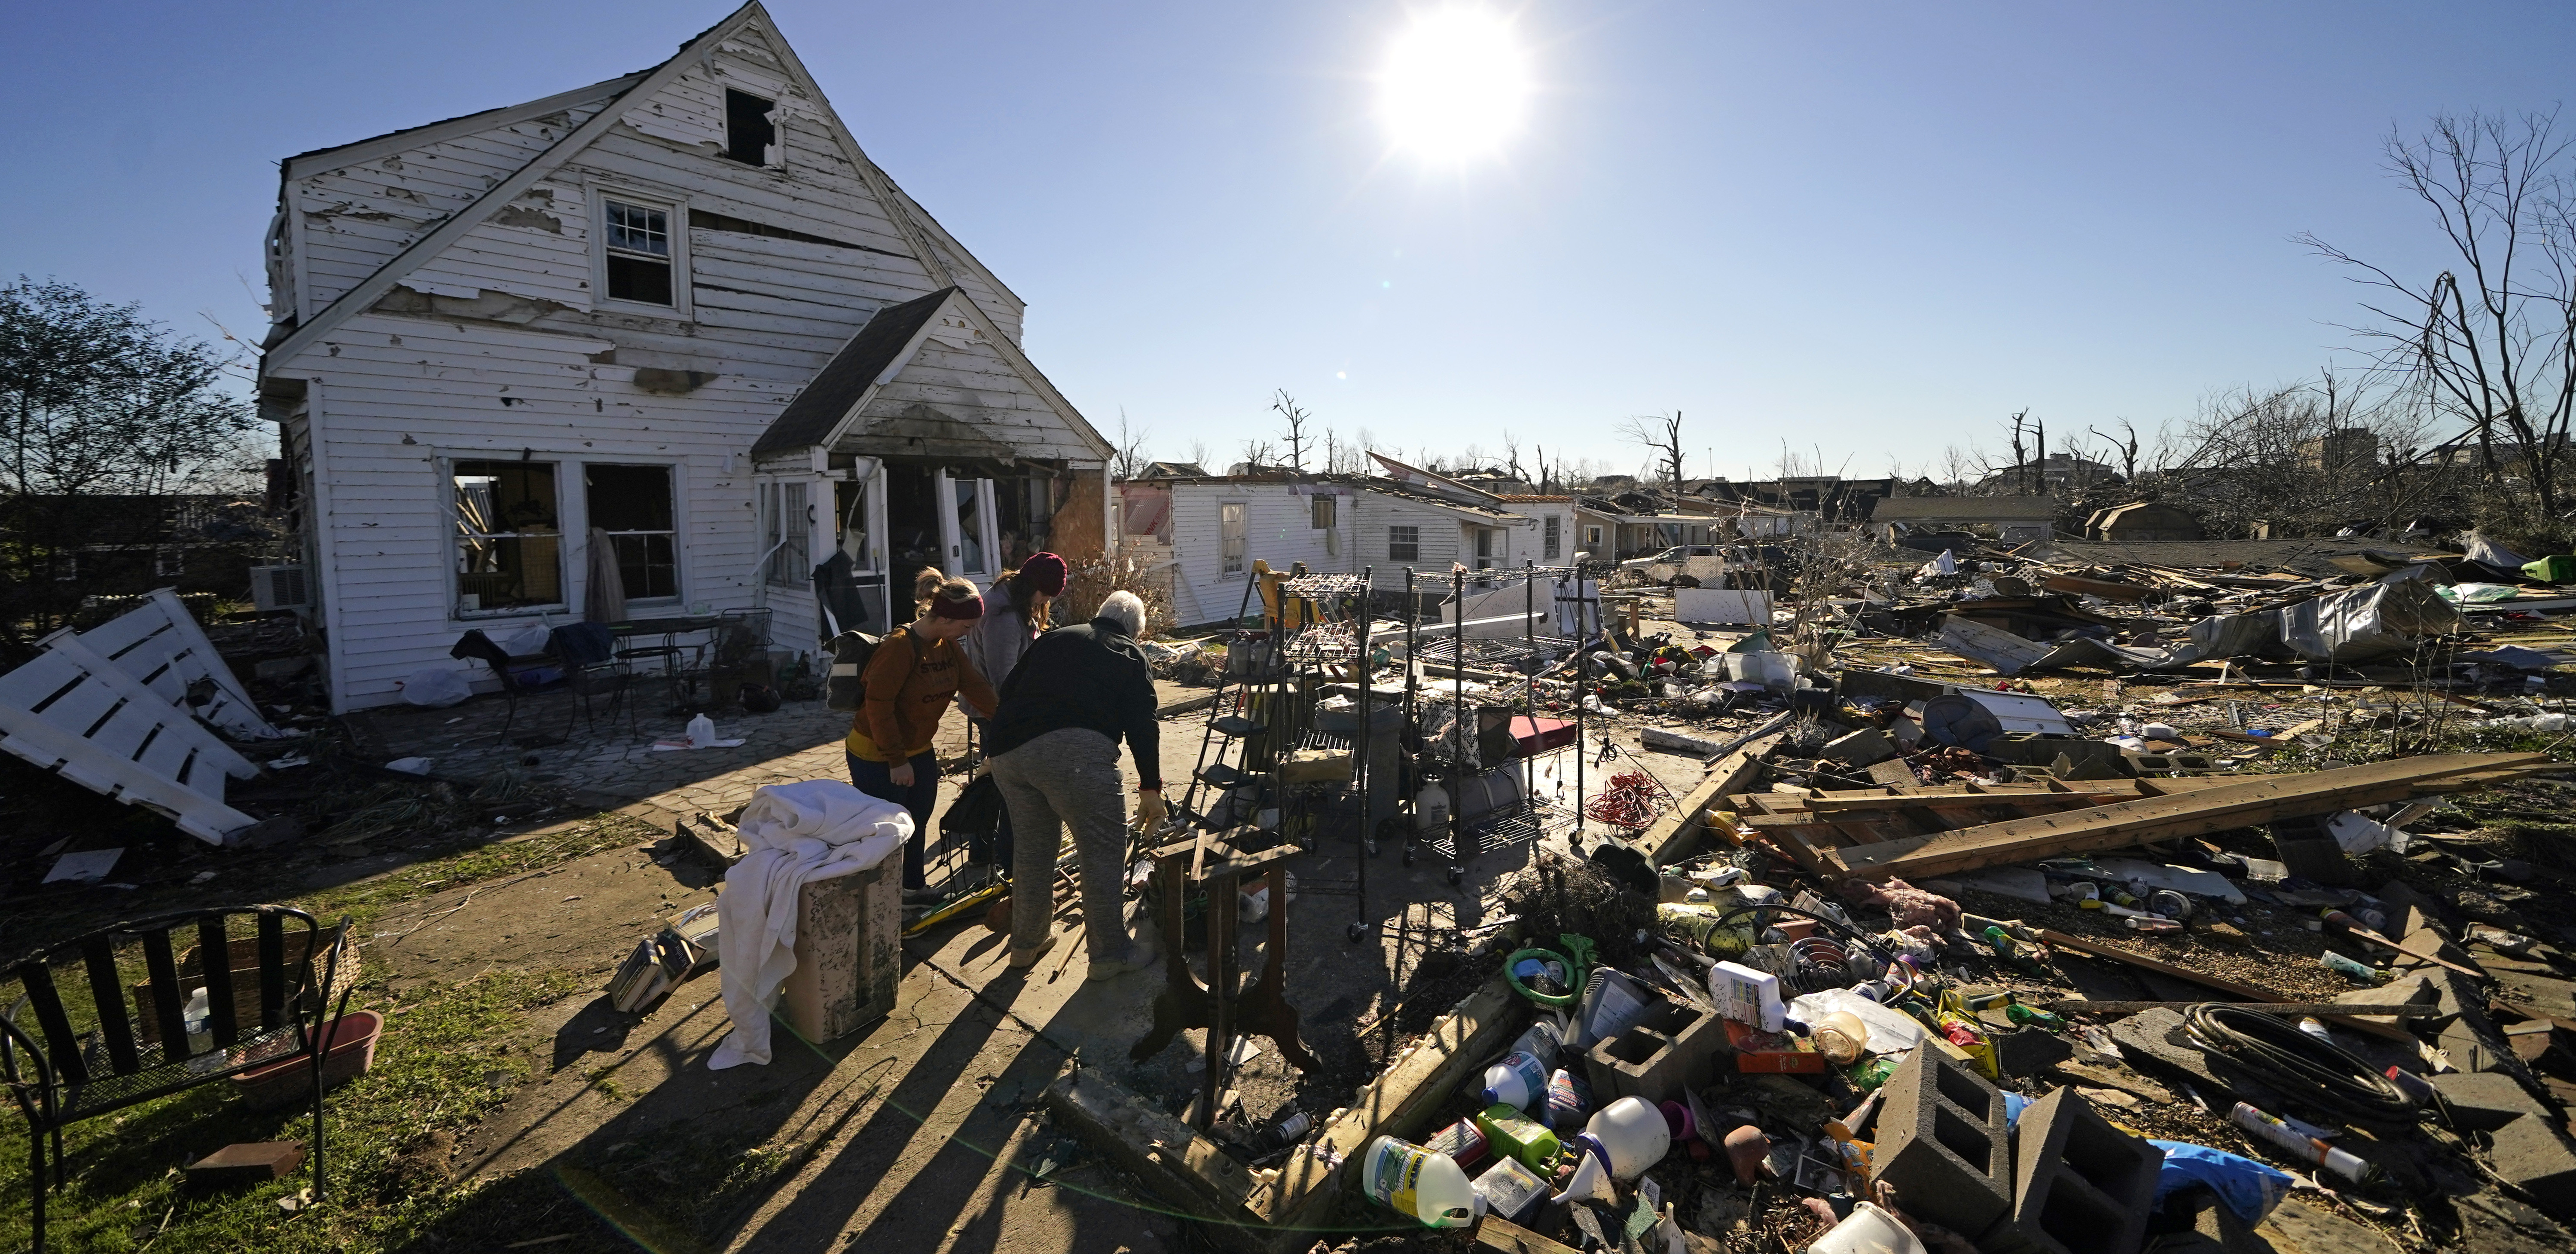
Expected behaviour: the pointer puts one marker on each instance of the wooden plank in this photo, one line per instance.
(2241, 992)
(1502, 1234)
(2239, 803)
(2079, 1006)
(1670, 837)
(1414, 1087)
(1162, 1151)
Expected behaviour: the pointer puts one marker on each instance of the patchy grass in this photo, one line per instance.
(452, 1054)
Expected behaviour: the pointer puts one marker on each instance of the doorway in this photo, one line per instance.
(912, 533)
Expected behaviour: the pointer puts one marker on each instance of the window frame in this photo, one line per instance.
(1233, 538)
(774, 146)
(788, 542)
(455, 529)
(1411, 539)
(1552, 538)
(675, 209)
(169, 563)
(678, 531)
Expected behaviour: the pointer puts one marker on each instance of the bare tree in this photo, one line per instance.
(2301, 459)
(1295, 436)
(1128, 459)
(2491, 338)
(1199, 453)
(1661, 436)
(2021, 453)
(1512, 456)
(1259, 455)
(2126, 445)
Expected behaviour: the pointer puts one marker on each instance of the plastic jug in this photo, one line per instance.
(1569, 1100)
(1515, 1135)
(702, 732)
(1629, 1135)
(1867, 1230)
(1521, 1077)
(1431, 808)
(1411, 1180)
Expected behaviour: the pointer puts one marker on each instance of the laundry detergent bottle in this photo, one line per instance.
(1411, 1180)
(1521, 1077)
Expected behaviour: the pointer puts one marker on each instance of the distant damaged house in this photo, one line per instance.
(675, 326)
(2003, 519)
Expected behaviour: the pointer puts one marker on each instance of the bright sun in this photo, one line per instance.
(1456, 84)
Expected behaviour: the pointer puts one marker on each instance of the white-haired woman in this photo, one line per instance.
(1055, 755)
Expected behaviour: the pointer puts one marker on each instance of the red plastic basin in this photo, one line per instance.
(289, 1080)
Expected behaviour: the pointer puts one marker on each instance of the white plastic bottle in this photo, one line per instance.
(1629, 1135)
(1521, 1077)
(1411, 1180)
(702, 732)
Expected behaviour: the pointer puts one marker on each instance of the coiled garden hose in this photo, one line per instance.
(2274, 1053)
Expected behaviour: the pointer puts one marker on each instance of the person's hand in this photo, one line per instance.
(901, 774)
(1150, 811)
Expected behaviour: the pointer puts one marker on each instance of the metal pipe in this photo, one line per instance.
(1368, 830)
(1458, 721)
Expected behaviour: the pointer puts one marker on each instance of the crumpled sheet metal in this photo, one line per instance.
(2367, 622)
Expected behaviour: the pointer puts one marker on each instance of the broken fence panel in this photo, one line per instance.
(160, 643)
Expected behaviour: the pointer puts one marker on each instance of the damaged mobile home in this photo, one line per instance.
(652, 349)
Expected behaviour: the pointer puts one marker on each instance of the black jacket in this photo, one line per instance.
(1090, 676)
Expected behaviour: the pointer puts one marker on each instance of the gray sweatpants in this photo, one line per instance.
(1069, 775)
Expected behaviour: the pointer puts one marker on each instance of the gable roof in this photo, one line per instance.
(361, 151)
(905, 215)
(844, 382)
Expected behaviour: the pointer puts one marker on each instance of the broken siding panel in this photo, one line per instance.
(371, 211)
(390, 526)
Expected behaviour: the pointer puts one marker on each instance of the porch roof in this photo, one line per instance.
(809, 419)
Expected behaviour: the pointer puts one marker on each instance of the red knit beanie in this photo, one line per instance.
(1046, 573)
(971, 607)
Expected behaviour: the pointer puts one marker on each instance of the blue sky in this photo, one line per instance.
(1870, 229)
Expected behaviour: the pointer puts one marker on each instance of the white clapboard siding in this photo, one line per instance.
(161, 646)
(399, 395)
(82, 716)
(1278, 529)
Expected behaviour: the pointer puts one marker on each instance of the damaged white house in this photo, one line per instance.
(674, 325)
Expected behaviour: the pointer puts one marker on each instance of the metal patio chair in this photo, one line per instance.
(65, 1072)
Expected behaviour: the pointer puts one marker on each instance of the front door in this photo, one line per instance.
(859, 533)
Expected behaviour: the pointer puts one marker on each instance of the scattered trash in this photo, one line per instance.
(86, 867)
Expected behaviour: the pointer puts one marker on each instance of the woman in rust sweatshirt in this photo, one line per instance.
(913, 677)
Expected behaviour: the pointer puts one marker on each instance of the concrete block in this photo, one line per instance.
(249, 1164)
(1673, 1049)
(2534, 1155)
(1861, 748)
(1943, 1143)
(2078, 1183)
(2486, 1100)
(849, 953)
(2027, 1051)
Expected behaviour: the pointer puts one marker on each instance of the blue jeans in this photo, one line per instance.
(876, 779)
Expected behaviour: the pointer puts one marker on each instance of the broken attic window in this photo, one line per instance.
(633, 505)
(748, 131)
(509, 541)
(639, 253)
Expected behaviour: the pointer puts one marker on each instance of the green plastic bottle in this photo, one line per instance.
(1516, 1135)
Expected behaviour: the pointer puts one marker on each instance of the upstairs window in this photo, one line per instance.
(749, 134)
(638, 239)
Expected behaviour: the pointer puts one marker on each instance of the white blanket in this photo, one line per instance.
(792, 835)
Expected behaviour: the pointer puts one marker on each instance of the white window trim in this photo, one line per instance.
(566, 575)
(580, 579)
(1245, 557)
(677, 206)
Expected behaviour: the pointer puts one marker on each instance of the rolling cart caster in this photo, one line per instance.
(1457, 874)
(1357, 932)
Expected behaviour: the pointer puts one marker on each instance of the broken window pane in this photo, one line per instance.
(633, 504)
(970, 528)
(636, 229)
(509, 541)
(748, 130)
(786, 529)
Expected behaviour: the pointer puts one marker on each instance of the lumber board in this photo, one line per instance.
(1502, 1234)
(1412, 1088)
(2242, 992)
(2079, 1006)
(1187, 1169)
(2239, 803)
(1672, 834)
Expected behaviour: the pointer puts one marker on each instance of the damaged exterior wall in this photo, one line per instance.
(501, 346)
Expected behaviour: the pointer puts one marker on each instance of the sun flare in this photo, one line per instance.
(1455, 85)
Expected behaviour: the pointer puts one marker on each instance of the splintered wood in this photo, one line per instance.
(1912, 832)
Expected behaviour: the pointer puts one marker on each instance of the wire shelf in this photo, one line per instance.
(1317, 587)
(1509, 829)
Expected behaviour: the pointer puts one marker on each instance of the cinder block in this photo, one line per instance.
(2485, 1100)
(2533, 1154)
(1943, 1143)
(1672, 1049)
(2029, 1050)
(2078, 1183)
